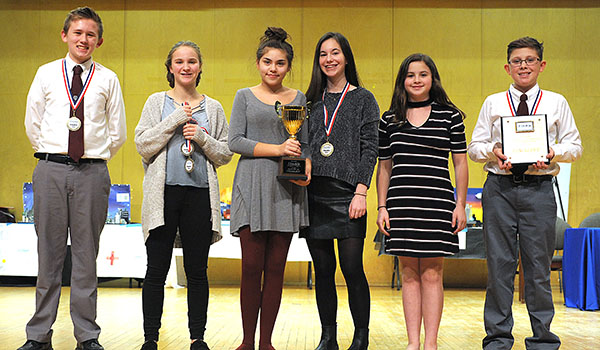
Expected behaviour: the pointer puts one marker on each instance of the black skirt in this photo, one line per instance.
(328, 204)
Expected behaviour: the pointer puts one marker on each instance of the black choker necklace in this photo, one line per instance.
(426, 103)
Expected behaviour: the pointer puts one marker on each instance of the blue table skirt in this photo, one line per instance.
(581, 268)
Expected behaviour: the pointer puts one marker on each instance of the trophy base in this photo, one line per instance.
(292, 168)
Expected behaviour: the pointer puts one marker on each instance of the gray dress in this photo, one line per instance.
(258, 198)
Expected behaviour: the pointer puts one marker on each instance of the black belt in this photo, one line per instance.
(64, 159)
(524, 178)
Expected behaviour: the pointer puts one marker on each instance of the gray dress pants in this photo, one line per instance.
(518, 217)
(68, 198)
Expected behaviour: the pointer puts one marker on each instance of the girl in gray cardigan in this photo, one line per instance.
(182, 138)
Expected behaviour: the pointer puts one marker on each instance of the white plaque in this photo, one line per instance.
(525, 139)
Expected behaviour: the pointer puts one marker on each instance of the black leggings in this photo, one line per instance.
(186, 208)
(351, 253)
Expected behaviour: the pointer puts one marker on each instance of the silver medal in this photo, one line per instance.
(326, 149)
(189, 165)
(73, 123)
(187, 150)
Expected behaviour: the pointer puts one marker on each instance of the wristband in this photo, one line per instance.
(381, 206)
(360, 194)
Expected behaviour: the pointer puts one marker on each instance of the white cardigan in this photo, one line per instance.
(151, 137)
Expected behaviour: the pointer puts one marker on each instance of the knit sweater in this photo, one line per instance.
(151, 137)
(353, 136)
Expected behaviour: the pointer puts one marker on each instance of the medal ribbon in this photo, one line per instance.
(328, 128)
(199, 107)
(75, 104)
(536, 103)
(188, 143)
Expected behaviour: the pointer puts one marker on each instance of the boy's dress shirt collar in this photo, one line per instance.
(87, 65)
(532, 94)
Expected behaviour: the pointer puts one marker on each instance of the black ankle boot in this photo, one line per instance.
(328, 338)
(360, 340)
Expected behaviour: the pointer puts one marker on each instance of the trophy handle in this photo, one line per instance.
(278, 108)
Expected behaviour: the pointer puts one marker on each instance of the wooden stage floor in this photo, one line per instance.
(297, 327)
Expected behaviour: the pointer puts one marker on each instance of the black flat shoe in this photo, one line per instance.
(91, 344)
(35, 345)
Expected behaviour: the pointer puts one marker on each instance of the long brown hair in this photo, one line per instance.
(400, 96)
(318, 80)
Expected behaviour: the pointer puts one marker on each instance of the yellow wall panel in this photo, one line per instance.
(238, 30)
(585, 58)
(585, 180)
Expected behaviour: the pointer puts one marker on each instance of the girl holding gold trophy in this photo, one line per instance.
(265, 210)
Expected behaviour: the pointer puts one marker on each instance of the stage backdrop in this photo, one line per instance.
(467, 39)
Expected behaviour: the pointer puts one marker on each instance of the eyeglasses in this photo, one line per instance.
(530, 61)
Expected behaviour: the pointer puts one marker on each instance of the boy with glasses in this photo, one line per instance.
(518, 201)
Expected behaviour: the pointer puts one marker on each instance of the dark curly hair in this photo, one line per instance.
(275, 38)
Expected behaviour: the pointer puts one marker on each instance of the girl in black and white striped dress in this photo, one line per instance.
(417, 210)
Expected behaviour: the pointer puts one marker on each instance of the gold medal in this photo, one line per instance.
(73, 123)
(326, 149)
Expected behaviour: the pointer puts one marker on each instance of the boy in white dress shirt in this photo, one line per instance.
(518, 201)
(75, 121)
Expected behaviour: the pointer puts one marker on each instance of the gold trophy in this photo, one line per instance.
(292, 117)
